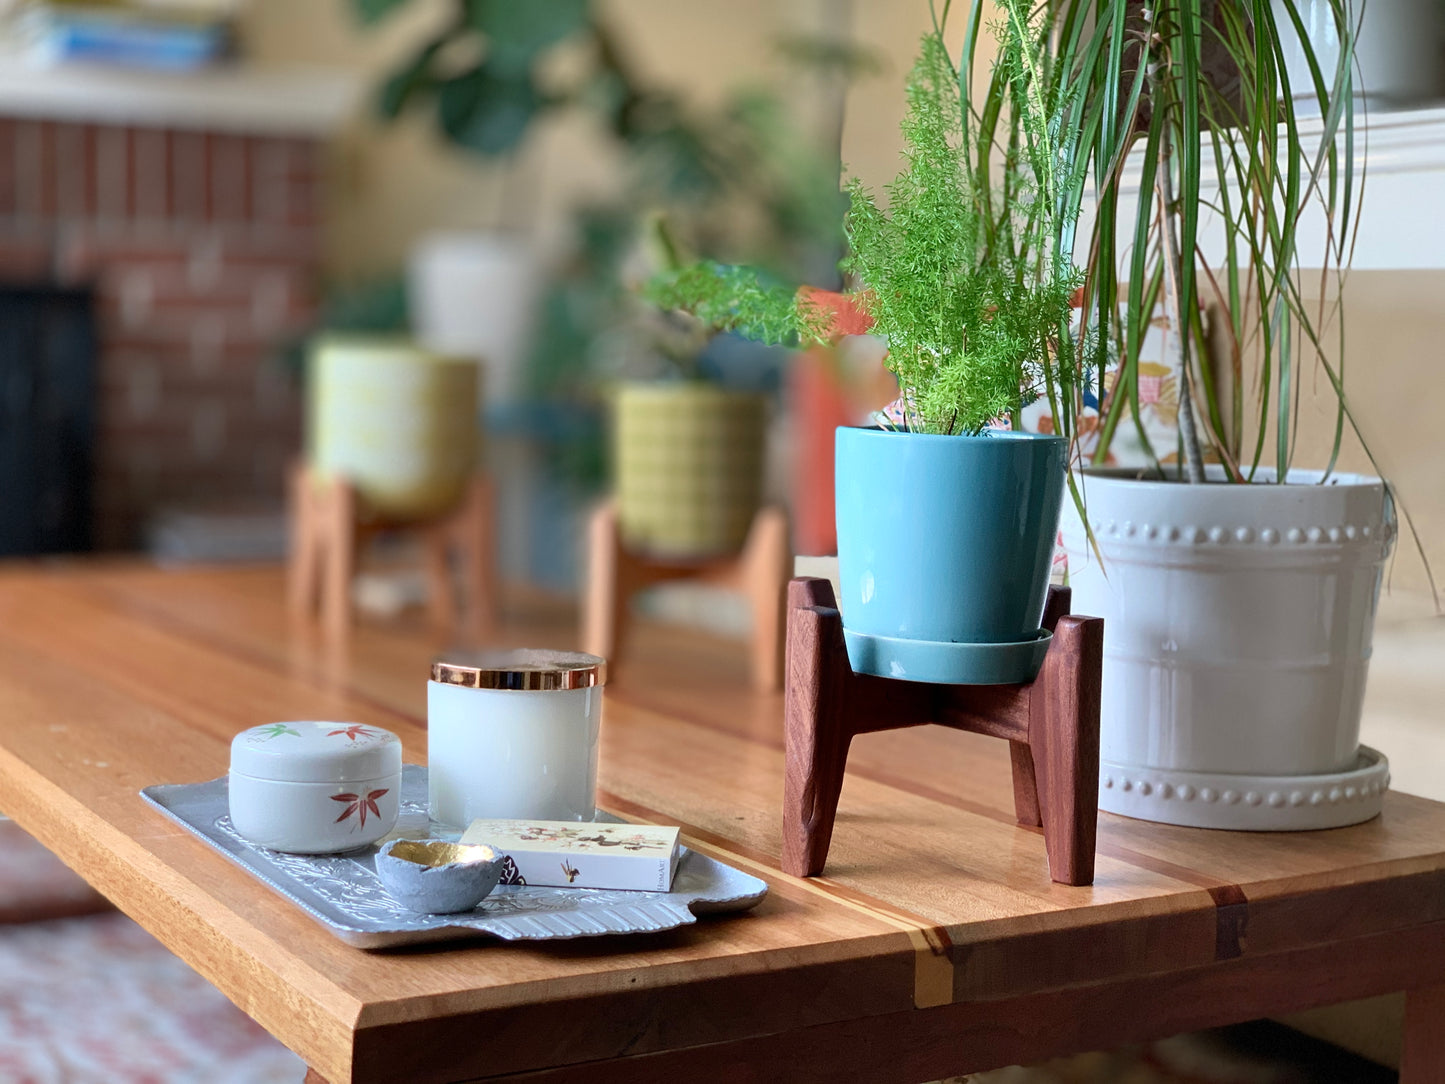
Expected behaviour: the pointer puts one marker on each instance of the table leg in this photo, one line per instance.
(313, 1077)
(1423, 1059)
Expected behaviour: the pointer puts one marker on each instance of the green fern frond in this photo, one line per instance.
(966, 286)
(727, 297)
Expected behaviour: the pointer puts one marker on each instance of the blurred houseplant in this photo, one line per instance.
(730, 180)
(1239, 616)
(946, 520)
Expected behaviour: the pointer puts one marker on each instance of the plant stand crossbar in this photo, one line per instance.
(1051, 725)
(760, 572)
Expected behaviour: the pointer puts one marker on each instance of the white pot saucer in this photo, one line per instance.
(1259, 803)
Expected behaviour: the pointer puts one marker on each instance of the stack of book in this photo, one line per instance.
(169, 36)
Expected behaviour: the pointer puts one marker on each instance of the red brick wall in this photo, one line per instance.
(204, 251)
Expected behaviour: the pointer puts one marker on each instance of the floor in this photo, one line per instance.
(88, 997)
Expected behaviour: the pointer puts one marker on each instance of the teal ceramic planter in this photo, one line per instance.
(944, 549)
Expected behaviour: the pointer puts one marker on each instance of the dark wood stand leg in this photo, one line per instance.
(1051, 724)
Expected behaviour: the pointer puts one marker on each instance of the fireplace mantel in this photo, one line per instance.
(242, 99)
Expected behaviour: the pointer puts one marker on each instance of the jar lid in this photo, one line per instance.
(525, 669)
(316, 752)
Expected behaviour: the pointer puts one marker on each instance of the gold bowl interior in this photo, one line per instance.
(437, 852)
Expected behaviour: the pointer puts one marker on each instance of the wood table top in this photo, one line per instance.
(116, 676)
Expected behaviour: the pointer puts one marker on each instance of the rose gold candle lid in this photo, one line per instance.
(525, 669)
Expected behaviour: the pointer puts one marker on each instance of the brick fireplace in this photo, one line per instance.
(202, 248)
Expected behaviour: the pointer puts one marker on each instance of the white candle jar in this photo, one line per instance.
(314, 787)
(513, 735)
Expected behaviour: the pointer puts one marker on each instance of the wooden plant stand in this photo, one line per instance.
(1051, 725)
(328, 531)
(760, 571)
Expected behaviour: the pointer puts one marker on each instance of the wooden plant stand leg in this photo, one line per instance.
(817, 748)
(323, 548)
(760, 572)
(604, 602)
(469, 535)
(441, 594)
(475, 529)
(767, 560)
(303, 555)
(1051, 723)
(338, 517)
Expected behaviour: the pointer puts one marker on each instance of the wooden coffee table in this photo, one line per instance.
(936, 944)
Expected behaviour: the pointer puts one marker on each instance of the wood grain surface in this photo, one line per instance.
(935, 944)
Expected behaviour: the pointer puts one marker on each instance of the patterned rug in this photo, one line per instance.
(97, 1000)
(34, 885)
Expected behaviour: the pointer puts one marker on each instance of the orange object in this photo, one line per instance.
(820, 404)
(845, 317)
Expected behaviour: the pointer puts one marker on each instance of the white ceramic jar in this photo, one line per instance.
(513, 735)
(314, 787)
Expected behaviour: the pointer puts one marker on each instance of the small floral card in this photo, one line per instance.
(584, 854)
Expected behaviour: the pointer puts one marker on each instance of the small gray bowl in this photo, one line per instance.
(436, 877)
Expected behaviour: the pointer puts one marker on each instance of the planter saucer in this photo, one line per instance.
(1260, 803)
(944, 663)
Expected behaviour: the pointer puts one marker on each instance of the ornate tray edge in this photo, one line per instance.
(682, 913)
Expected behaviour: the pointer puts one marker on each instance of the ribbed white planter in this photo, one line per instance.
(1237, 638)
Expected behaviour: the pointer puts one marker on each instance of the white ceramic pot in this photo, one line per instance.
(314, 787)
(1238, 624)
(475, 295)
(1397, 50)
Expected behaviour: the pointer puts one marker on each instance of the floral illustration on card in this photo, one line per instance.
(358, 806)
(589, 836)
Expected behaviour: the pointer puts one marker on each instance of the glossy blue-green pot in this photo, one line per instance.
(945, 544)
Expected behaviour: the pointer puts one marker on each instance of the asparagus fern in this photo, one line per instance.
(970, 287)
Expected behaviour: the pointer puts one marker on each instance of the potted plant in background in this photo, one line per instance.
(688, 453)
(1239, 590)
(735, 178)
(946, 516)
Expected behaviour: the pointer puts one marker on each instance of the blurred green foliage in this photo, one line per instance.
(737, 182)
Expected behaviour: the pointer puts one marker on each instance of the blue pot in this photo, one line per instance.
(944, 549)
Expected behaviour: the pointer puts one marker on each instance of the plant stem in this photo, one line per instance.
(1193, 456)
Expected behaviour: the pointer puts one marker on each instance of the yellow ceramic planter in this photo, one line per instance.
(399, 422)
(689, 462)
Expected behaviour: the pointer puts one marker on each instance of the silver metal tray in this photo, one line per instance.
(343, 893)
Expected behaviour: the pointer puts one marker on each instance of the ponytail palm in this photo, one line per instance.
(1195, 95)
